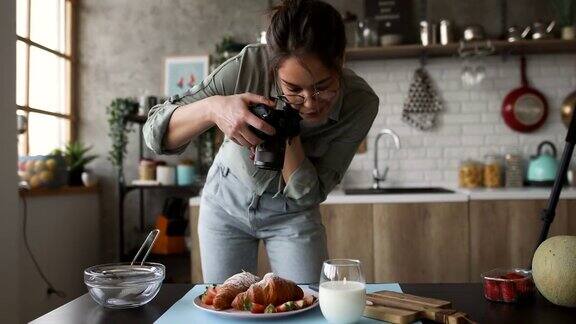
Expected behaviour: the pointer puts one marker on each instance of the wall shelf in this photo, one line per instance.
(552, 46)
(124, 189)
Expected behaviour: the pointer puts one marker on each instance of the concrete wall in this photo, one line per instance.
(123, 44)
(122, 49)
(63, 233)
(9, 218)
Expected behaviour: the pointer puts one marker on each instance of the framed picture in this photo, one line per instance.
(183, 72)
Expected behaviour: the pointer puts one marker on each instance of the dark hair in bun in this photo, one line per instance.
(300, 27)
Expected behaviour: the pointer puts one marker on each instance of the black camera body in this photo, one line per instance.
(269, 154)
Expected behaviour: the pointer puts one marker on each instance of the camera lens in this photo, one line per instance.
(269, 154)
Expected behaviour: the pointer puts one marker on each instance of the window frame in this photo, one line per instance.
(69, 53)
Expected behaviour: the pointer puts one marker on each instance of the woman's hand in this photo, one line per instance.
(231, 115)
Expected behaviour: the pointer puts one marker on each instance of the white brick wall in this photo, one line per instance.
(471, 126)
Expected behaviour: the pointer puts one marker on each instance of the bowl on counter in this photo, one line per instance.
(121, 285)
(508, 285)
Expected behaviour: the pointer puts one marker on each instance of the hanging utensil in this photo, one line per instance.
(423, 103)
(524, 109)
(541, 30)
(568, 106)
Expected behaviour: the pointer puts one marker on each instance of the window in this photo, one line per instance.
(44, 73)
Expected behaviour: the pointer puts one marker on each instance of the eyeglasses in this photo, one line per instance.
(323, 95)
(296, 99)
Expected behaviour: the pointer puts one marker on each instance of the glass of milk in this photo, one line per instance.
(342, 292)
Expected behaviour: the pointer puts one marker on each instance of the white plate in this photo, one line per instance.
(246, 314)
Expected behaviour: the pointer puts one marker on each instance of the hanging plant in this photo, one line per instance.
(565, 12)
(117, 112)
(227, 48)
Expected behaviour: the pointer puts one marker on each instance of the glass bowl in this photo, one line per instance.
(121, 285)
(508, 285)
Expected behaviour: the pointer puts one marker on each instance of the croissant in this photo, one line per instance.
(270, 290)
(234, 285)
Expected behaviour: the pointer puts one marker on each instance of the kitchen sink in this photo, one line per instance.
(396, 191)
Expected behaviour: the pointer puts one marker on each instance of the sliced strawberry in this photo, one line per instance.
(270, 309)
(508, 291)
(246, 304)
(309, 300)
(300, 304)
(492, 290)
(208, 295)
(524, 288)
(257, 308)
(286, 307)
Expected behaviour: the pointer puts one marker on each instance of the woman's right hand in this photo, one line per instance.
(231, 116)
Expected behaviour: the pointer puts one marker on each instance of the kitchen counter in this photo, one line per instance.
(460, 195)
(516, 193)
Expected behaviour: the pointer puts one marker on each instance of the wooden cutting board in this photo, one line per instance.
(402, 308)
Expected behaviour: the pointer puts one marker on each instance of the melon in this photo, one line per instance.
(554, 270)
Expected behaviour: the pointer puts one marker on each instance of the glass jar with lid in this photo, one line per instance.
(514, 171)
(471, 174)
(493, 171)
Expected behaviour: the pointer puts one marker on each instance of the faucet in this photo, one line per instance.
(376, 175)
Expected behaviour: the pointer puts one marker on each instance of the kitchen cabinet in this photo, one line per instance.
(350, 234)
(503, 233)
(421, 242)
(433, 242)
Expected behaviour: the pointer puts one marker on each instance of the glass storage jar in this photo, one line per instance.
(147, 169)
(493, 171)
(470, 174)
(514, 171)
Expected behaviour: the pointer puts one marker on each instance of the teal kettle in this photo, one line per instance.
(543, 166)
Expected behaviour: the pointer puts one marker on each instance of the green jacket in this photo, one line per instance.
(329, 148)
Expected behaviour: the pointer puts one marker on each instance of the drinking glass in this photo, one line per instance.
(342, 292)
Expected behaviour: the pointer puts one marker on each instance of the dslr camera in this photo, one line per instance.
(269, 154)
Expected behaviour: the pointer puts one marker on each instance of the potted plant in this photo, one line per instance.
(118, 111)
(77, 158)
(566, 16)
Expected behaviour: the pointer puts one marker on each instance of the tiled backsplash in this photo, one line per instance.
(471, 125)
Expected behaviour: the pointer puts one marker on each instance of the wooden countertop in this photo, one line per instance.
(460, 195)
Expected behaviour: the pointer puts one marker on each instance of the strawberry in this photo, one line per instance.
(309, 300)
(525, 287)
(257, 308)
(208, 295)
(508, 291)
(246, 304)
(286, 307)
(492, 290)
(513, 276)
(270, 309)
(300, 304)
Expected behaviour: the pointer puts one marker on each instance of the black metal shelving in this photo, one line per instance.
(124, 189)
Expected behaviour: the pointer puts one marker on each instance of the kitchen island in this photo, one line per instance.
(431, 238)
(467, 298)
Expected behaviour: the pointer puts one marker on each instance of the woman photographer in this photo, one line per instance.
(301, 64)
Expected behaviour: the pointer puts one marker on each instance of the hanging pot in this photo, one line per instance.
(524, 109)
(568, 106)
